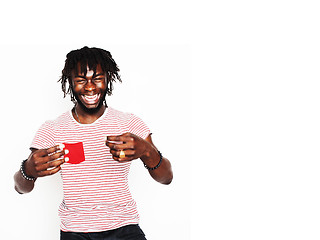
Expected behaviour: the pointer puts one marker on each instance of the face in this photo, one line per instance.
(90, 89)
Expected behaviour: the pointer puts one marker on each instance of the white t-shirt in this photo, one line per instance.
(96, 191)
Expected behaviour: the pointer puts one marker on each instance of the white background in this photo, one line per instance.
(155, 87)
(253, 69)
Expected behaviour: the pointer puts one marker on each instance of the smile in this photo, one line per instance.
(91, 99)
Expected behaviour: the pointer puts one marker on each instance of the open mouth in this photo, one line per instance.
(91, 99)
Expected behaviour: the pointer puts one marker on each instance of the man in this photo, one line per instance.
(92, 146)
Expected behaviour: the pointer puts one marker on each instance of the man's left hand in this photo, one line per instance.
(130, 144)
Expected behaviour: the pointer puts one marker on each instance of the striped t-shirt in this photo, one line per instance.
(96, 191)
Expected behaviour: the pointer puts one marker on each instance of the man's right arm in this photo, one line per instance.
(43, 162)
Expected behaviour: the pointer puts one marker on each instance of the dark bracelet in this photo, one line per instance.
(25, 176)
(158, 165)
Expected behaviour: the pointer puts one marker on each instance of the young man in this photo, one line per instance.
(92, 146)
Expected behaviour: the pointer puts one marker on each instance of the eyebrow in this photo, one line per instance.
(79, 76)
(97, 75)
(94, 75)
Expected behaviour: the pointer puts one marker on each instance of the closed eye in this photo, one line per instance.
(80, 81)
(98, 79)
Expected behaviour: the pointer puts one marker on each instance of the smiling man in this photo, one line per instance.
(92, 146)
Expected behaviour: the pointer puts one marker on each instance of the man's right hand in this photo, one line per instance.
(45, 162)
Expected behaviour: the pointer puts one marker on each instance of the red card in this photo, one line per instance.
(76, 153)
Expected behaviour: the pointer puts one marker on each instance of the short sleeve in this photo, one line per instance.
(138, 127)
(44, 137)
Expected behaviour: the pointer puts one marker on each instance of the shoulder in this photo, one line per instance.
(124, 116)
(51, 124)
(61, 119)
(131, 122)
(66, 116)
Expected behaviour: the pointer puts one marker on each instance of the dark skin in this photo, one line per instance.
(135, 147)
(90, 90)
(41, 163)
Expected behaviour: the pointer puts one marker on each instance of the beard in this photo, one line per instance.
(91, 110)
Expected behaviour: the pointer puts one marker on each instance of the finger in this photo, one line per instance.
(123, 138)
(54, 149)
(115, 146)
(125, 159)
(53, 157)
(127, 152)
(57, 155)
(46, 152)
(49, 172)
(113, 138)
(50, 165)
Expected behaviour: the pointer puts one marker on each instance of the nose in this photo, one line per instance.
(90, 86)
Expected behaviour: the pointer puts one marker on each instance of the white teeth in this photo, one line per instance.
(91, 99)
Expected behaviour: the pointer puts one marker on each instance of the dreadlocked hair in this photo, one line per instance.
(89, 57)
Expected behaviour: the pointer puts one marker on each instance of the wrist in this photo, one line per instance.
(152, 158)
(24, 172)
(156, 166)
(149, 154)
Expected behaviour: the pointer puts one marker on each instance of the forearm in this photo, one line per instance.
(163, 174)
(22, 185)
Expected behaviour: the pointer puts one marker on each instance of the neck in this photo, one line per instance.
(87, 116)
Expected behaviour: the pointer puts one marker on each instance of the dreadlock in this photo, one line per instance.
(89, 57)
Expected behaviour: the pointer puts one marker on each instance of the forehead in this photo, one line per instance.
(87, 71)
